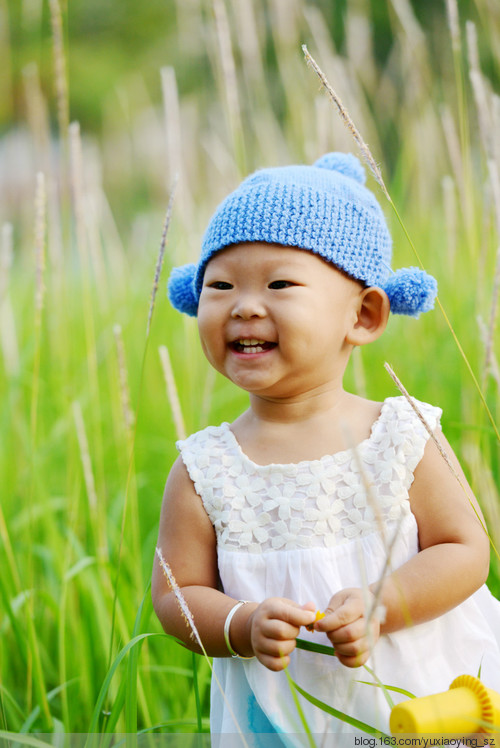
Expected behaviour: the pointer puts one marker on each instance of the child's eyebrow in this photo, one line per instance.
(283, 269)
(290, 268)
(282, 265)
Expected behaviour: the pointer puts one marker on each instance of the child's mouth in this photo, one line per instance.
(251, 345)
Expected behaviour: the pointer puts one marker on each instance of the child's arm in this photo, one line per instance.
(188, 543)
(452, 563)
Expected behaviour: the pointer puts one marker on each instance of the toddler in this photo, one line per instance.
(315, 498)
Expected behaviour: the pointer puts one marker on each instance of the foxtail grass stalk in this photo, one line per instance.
(83, 444)
(181, 600)
(172, 393)
(452, 140)
(8, 334)
(376, 608)
(188, 617)
(37, 114)
(10, 351)
(129, 424)
(412, 29)
(161, 255)
(487, 488)
(493, 368)
(452, 331)
(89, 310)
(172, 119)
(453, 24)
(440, 449)
(34, 669)
(128, 413)
(347, 120)
(40, 231)
(97, 519)
(421, 418)
(176, 160)
(230, 84)
(479, 90)
(488, 137)
(251, 52)
(456, 45)
(489, 357)
(61, 82)
(130, 470)
(371, 163)
(450, 213)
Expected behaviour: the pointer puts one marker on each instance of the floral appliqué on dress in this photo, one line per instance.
(315, 503)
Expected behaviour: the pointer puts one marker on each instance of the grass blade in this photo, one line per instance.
(294, 688)
(358, 724)
(94, 722)
(312, 647)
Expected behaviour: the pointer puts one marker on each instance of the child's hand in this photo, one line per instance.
(274, 627)
(348, 628)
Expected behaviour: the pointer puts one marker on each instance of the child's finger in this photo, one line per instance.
(345, 615)
(351, 632)
(355, 653)
(276, 647)
(309, 606)
(275, 626)
(274, 663)
(290, 612)
(353, 647)
(353, 661)
(278, 630)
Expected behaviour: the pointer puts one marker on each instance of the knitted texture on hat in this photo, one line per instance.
(324, 208)
(411, 291)
(181, 289)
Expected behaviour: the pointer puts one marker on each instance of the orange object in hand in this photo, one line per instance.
(319, 616)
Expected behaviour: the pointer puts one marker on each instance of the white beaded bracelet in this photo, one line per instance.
(227, 623)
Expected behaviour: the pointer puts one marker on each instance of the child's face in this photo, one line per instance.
(274, 319)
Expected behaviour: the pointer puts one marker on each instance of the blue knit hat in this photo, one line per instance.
(324, 208)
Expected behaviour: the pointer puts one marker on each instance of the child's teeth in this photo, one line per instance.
(251, 345)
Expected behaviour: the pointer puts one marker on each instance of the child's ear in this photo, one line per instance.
(372, 316)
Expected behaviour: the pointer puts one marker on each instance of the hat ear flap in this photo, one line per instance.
(411, 291)
(181, 289)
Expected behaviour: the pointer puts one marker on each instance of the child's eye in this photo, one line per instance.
(281, 284)
(220, 285)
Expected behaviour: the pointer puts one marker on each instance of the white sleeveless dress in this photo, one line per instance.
(305, 531)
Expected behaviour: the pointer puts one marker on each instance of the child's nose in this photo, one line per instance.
(248, 306)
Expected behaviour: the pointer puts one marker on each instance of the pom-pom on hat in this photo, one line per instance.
(324, 208)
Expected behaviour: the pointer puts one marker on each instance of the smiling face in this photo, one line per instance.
(276, 320)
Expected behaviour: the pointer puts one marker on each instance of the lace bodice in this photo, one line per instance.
(317, 503)
(305, 531)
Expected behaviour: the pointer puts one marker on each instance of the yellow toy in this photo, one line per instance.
(467, 707)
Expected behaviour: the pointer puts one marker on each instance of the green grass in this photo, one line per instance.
(82, 481)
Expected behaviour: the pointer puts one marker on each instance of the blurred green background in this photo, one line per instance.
(104, 106)
(111, 41)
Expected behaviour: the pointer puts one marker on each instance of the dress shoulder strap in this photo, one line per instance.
(404, 428)
(201, 450)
